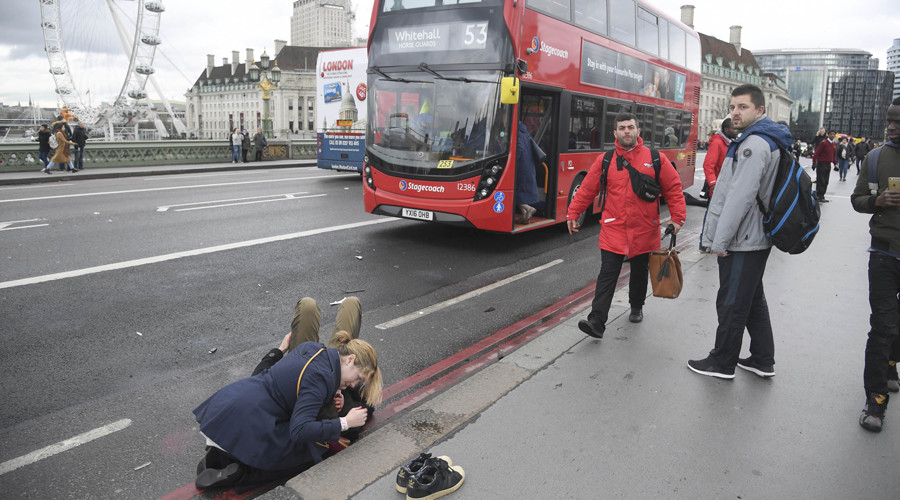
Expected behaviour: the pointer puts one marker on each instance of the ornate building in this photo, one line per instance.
(727, 65)
(223, 97)
(322, 23)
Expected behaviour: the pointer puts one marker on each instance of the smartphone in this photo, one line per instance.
(893, 183)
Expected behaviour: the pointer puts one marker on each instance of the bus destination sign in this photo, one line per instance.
(438, 37)
(607, 68)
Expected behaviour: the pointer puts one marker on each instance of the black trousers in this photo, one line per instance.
(259, 152)
(610, 267)
(252, 477)
(823, 173)
(884, 337)
(741, 303)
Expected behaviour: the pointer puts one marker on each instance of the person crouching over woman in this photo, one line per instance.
(266, 427)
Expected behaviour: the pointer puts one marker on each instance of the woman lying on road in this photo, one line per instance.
(268, 427)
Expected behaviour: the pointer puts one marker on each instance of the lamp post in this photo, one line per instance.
(267, 80)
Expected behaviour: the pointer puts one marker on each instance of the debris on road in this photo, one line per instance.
(354, 291)
(489, 309)
(140, 334)
(359, 257)
(139, 467)
(337, 302)
(214, 349)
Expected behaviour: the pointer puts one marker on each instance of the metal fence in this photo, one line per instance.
(23, 156)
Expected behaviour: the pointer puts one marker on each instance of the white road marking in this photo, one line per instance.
(240, 201)
(187, 253)
(53, 449)
(23, 227)
(4, 225)
(205, 174)
(171, 188)
(474, 293)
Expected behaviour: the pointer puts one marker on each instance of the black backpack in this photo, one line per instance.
(647, 188)
(791, 220)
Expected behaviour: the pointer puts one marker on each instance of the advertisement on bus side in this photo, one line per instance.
(341, 94)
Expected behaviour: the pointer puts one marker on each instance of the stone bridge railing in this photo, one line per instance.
(23, 156)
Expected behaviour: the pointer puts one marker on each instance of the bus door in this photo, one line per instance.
(539, 111)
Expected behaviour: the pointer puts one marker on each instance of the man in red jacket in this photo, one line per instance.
(715, 155)
(823, 158)
(630, 224)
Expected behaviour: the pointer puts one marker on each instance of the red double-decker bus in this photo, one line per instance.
(451, 82)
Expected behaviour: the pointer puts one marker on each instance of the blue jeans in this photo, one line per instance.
(843, 165)
(235, 153)
(42, 155)
(79, 159)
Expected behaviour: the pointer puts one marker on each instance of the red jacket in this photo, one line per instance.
(630, 225)
(715, 156)
(824, 152)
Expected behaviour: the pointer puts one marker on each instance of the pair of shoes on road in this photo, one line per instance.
(591, 328)
(709, 367)
(872, 416)
(637, 315)
(426, 477)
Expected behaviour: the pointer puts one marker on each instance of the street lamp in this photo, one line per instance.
(270, 79)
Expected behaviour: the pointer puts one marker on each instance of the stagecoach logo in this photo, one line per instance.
(537, 45)
(412, 186)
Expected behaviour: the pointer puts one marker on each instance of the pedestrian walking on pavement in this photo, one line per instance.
(843, 158)
(245, 144)
(259, 142)
(44, 148)
(715, 156)
(823, 159)
(862, 149)
(268, 427)
(883, 345)
(79, 136)
(733, 230)
(630, 224)
(236, 141)
(61, 158)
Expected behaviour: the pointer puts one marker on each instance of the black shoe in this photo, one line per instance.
(219, 478)
(709, 368)
(637, 315)
(750, 364)
(893, 381)
(411, 468)
(435, 479)
(589, 328)
(872, 417)
(823, 200)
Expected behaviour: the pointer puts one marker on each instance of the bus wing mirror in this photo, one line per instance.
(509, 90)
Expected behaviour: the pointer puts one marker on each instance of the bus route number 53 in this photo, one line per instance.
(476, 35)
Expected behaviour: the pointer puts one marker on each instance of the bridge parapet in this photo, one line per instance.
(23, 156)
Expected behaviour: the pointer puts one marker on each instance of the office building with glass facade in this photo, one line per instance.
(893, 65)
(840, 89)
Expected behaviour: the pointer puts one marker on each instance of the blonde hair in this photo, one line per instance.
(366, 361)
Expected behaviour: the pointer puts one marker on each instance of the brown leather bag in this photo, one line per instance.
(665, 272)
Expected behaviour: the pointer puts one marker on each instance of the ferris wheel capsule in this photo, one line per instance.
(151, 40)
(58, 70)
(137, 94)
(63, 91)
(143, 69)
(157, 7)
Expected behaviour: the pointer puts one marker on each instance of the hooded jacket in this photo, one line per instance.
(630, 225)
(715, 155)
(733, 220)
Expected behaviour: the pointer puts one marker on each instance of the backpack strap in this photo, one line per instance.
(657, 164)
(872, 169)
(604, 173)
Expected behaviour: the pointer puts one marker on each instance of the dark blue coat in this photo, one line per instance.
(526, 175)
(261, 421)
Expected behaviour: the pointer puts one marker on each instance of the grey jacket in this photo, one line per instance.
(733, 219)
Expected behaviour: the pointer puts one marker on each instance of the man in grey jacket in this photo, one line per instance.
(733, 230)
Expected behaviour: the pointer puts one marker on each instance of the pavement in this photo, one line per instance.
(8, 178)
(558, 414)
(568, 416)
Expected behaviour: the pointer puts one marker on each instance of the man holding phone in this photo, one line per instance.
(883, 201)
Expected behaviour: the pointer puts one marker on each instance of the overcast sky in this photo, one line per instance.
(190, 29)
